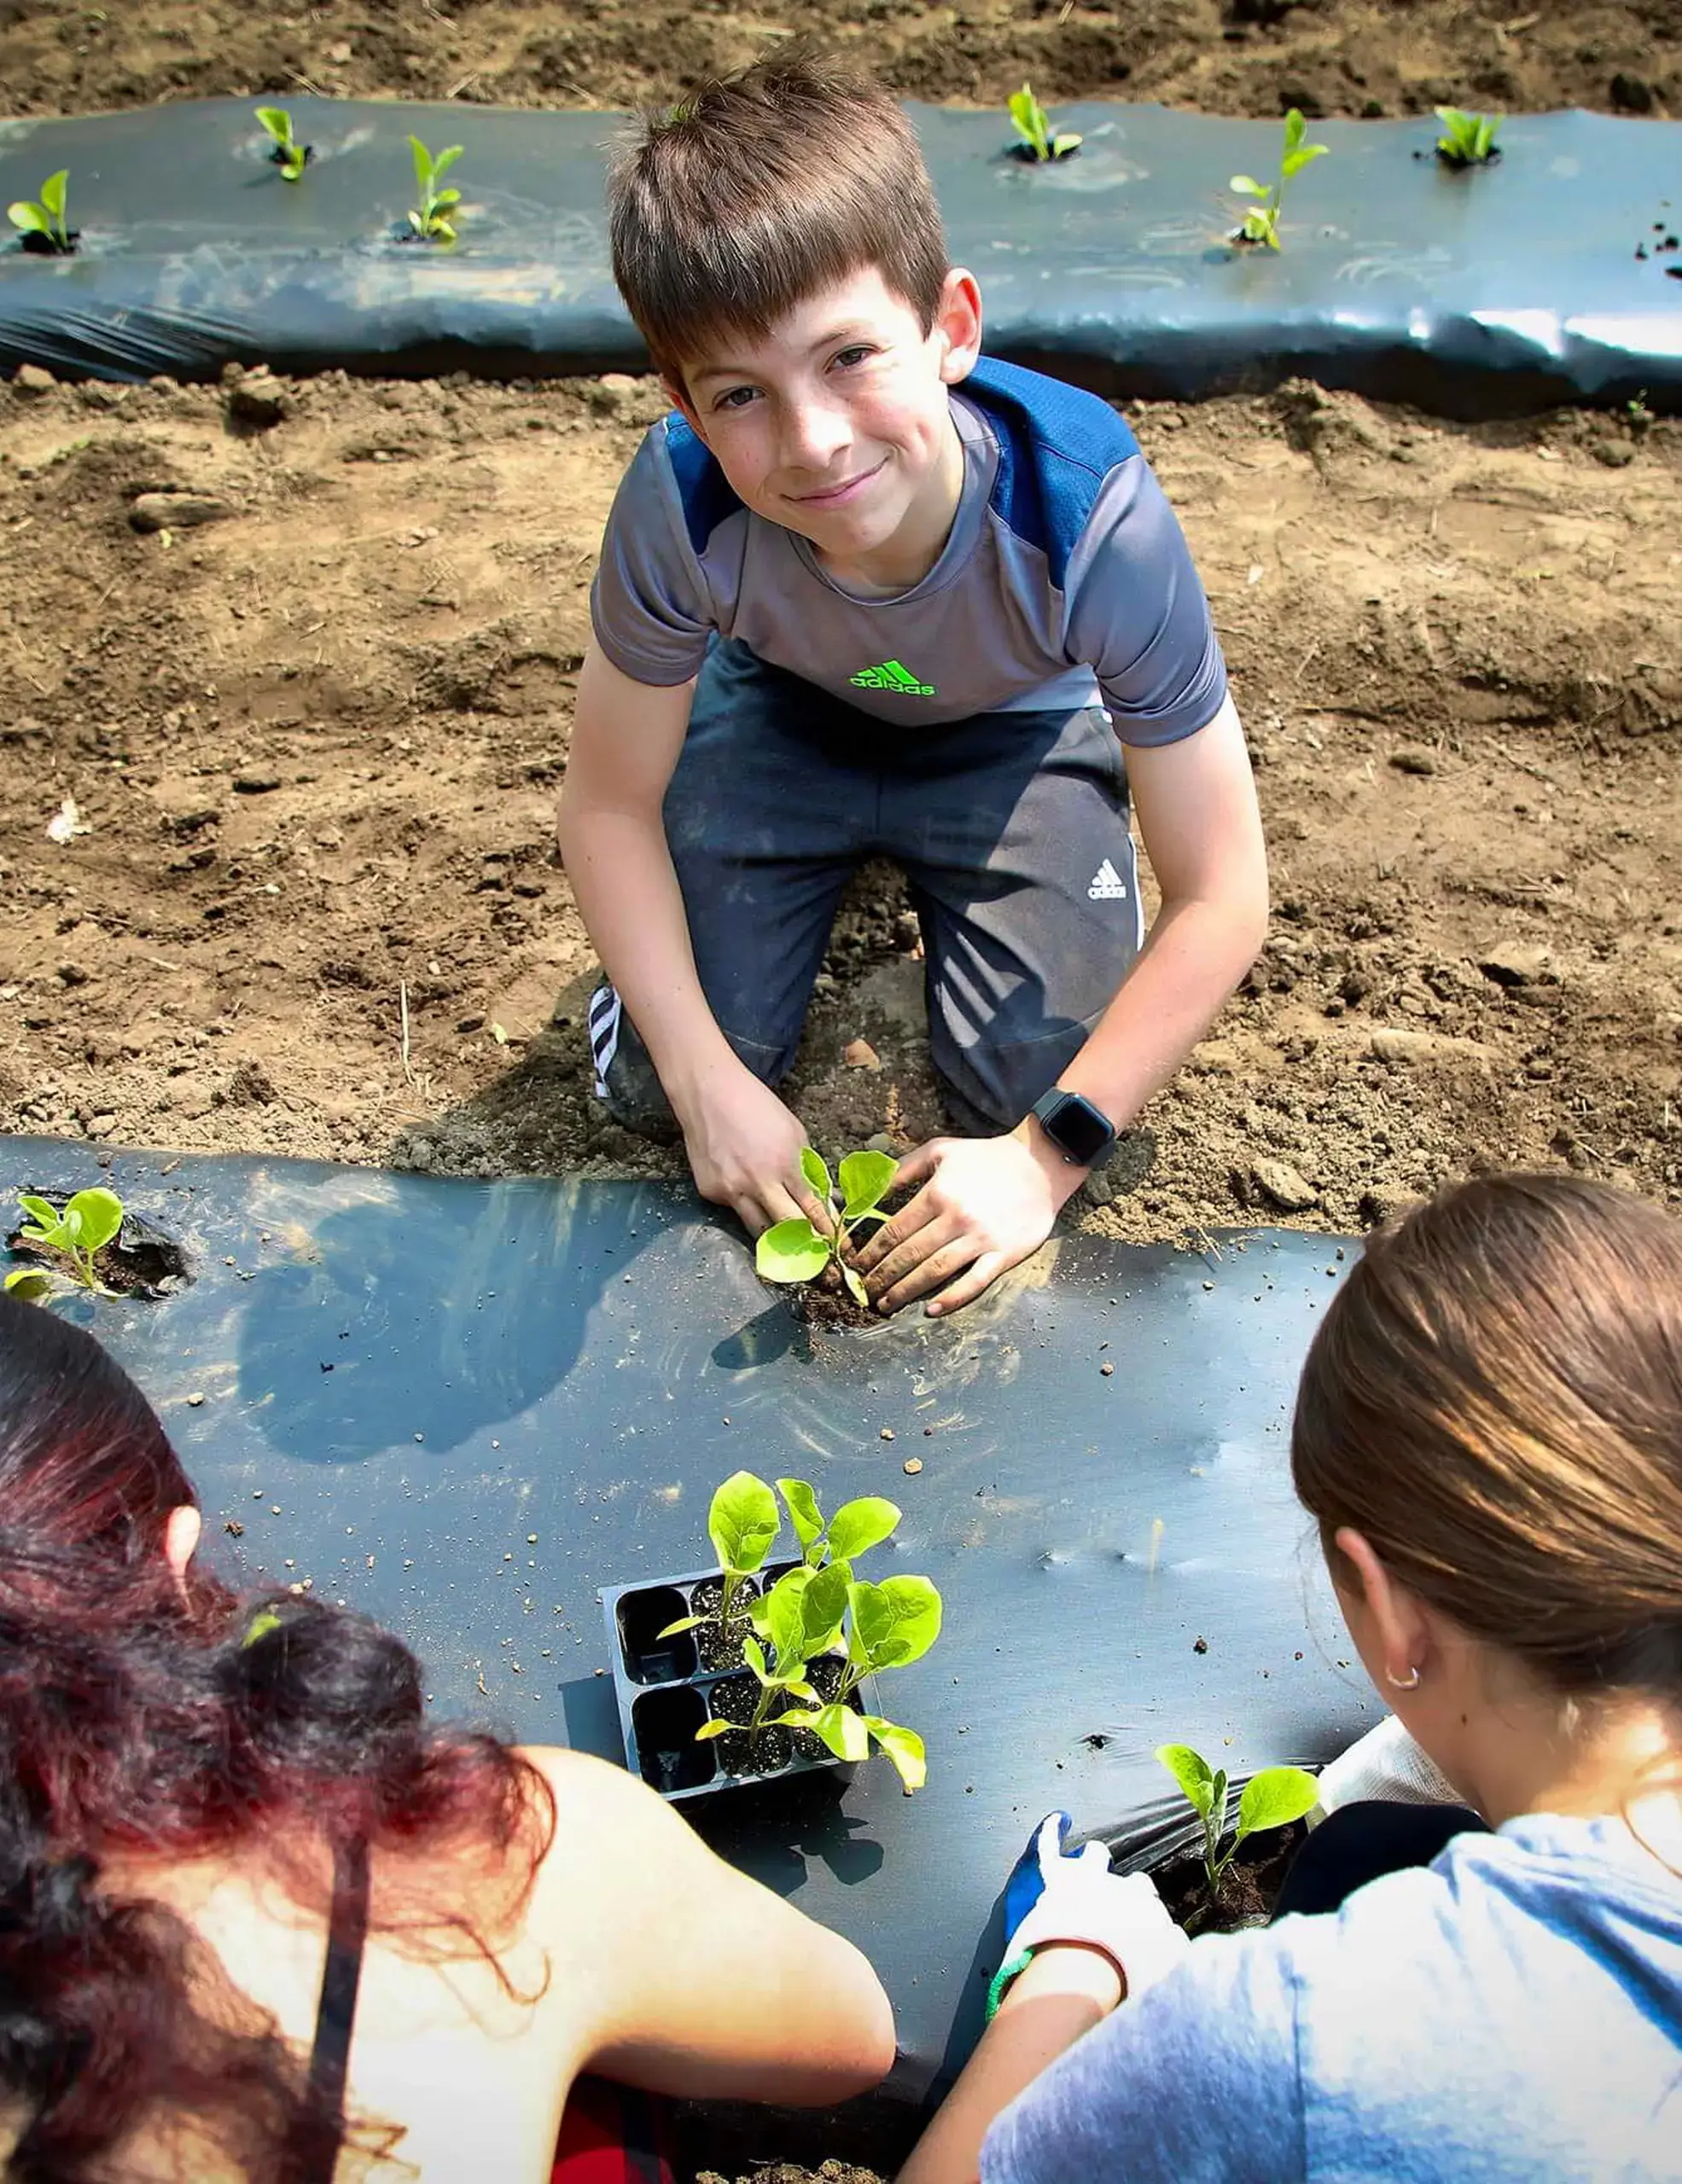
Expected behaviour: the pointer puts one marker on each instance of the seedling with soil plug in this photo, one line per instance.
(1272, 1798)
(430, 218)
(1033, 125)
(287, 153)
(88, 1222)
(40, 221)
(794, 1250)
(1261, 222)
(1468, 140)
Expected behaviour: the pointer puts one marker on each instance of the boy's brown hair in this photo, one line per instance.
(765, 186)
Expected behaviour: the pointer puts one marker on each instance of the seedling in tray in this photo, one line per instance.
(288, 153)
(794, 1250)
(80, 1233)
(40, 221)
(430, 218)
(1036, 140)
(814, 1635)
(1261, 223)
(1468, 140)
(1272, 1798)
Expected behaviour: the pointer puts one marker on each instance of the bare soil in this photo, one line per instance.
(314, 742)
(1222, 56)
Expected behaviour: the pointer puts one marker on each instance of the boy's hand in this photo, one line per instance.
(744, 1151)
(986, 1203)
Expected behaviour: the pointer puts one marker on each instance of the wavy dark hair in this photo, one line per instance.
(139, 1718)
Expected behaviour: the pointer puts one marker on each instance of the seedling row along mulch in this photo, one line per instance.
(1548, 274)
(468, 1408)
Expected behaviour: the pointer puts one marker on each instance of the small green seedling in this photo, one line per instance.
(1033, 125)
(794, 1250)
(1468, 140)
(1273, 1798)
(287, 153)
(742, 1524)
(888, 1627)
(45, 215)
(86, 1226)
(855, 1528)
(430, 218)
(1261, 222)
(816, 1609)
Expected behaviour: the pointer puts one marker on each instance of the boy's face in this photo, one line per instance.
(836, 424)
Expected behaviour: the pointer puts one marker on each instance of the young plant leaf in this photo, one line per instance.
(792, 1251)
(824, 1604)
(1247, 186)
(683, 1622)
(838, 1727)
(1294, 162)
(423, 168)
(742, 1522)
(99, 1216)
(865, 1178)
(714, 1728)
(855, 1283)
(1296, 128)
(29, 219)
(812, 1168)
(277, 122)
(28, 1283)
(858, 1526)
(444, 160)
(903, 1747)
(1027, 118)
(782, 1619)
(39, 1209)
(1191, 1771)
(803, 1514)
(1275, 1798)
(53, 191)
(1070, 140)
(896, 1622)
(753, 1653)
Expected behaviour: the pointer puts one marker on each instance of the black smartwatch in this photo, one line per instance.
(1082, 1133)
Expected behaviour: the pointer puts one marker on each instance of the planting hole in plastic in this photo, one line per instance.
(648, 1658)
(665, 1724)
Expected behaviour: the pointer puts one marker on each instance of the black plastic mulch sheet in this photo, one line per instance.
(462, 1407)
(1511, 286)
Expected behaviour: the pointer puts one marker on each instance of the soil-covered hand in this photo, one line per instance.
(984, 1205)
(744, 1151)
(1054, 1895)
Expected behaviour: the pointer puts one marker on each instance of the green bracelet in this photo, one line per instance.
(1001, 1980)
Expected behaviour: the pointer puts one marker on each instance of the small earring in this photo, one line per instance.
(1409, 1683)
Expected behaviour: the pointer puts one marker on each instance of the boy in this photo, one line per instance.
(869, 594)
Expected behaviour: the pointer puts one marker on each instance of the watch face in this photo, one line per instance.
(1081, 1131)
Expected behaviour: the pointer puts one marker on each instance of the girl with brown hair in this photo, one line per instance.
(1488, 1435)
(261, 1922)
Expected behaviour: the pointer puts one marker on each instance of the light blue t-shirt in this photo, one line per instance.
(1511, 2015)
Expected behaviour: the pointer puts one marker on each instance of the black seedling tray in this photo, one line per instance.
(665, 1693)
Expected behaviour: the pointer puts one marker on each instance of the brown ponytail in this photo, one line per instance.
(1495, 1400)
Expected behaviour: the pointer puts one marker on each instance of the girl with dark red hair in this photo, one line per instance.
(260, 1919)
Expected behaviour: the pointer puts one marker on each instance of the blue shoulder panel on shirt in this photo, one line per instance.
(1055, 445)
(706, 494)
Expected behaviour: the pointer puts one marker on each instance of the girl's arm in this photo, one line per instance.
(693, 1980)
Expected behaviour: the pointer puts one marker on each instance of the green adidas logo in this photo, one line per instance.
(891, 676)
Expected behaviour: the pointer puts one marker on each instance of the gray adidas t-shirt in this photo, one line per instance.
(1065, 579)
(1511, 2015)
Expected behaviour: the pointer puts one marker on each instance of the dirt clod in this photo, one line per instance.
(1283, 1186)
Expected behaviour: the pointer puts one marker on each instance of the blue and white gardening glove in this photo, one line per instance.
(1056, 1896)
